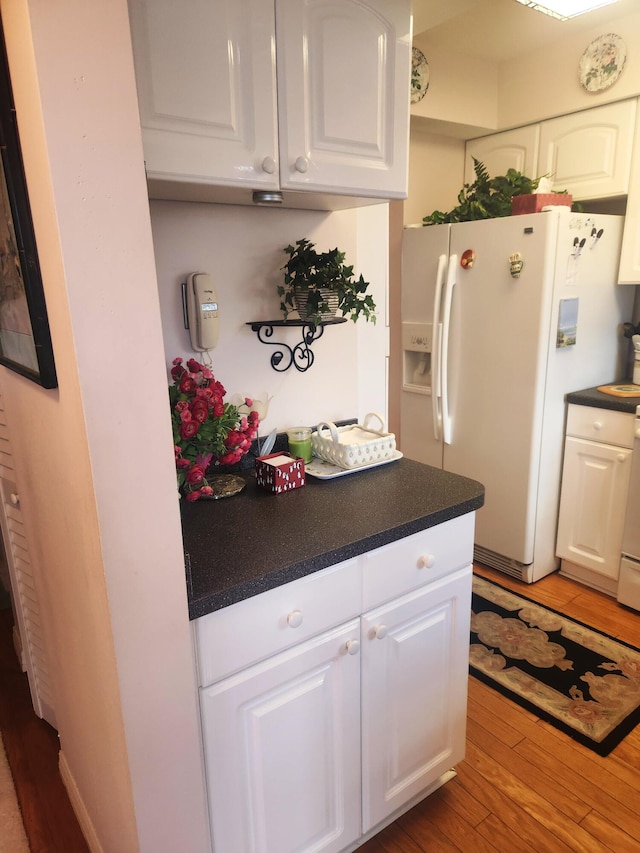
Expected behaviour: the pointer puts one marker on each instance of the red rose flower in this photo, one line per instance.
(188, 429)
(187, 385)
(194, 475)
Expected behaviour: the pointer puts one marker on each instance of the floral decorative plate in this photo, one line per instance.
(419, 75)
(602, 63)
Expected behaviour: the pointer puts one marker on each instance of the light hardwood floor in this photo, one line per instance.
(522, 786)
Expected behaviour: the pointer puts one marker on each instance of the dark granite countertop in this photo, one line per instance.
(244, 545)
(593, 397)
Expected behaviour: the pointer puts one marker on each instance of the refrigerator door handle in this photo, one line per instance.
(436, 350)
(446, 326)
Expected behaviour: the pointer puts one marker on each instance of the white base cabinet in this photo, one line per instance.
(317, 734)
(414, 687)
(282, 742)
(595, 481)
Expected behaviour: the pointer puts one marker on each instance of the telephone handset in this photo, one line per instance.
(201, 316)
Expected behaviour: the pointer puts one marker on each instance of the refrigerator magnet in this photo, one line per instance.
(467, 259)
(515, 264)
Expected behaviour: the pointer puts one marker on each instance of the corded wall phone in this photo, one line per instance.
(200, 306)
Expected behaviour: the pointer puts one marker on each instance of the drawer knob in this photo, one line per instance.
(597, 425)
(426, 561)
(380, 632)
(352, 647)
(621, 457)
(269, 165)
(15, 499)
(301, 164)
(294, 619)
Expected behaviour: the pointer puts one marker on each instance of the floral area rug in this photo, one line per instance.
(585, 683)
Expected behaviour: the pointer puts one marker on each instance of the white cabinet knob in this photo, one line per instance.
(426, 561)
(301, 164)
(352, 647)
(15, 499)
(269, 165)
(597, 425)
(380, 632)
(294, 619)
(621, 457)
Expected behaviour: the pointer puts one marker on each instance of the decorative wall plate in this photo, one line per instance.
(419, 75)
(602, 63)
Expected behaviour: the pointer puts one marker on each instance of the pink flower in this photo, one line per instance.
(248, 402)
(192, 496)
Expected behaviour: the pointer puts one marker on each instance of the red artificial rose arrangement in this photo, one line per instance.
(205, 428)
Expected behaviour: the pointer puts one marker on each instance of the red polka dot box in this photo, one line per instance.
(279, 472)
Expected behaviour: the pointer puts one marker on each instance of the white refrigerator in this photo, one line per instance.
(500, 319)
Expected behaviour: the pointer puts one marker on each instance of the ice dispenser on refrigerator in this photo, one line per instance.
(416, 357)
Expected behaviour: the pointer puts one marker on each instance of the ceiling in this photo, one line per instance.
(502, 29)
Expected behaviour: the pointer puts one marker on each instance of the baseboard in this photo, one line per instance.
(78, 805)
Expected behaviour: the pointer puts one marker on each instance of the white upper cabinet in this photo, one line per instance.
(343, 92)
(206, 80)
(499, 152)
(589, 153)
(586, 153)
(237, 95)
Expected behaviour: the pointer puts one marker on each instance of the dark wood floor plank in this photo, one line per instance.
(32, 748)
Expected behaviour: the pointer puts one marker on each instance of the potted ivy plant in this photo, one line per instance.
(319, 284)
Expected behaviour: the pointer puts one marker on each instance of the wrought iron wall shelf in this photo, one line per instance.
(300, 356)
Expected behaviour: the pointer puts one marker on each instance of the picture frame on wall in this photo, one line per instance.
(25, 338)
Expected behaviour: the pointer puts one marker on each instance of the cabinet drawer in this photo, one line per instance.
(243, 633)
(602, 425)
(409, 563)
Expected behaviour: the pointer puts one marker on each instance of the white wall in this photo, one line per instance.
(545, 83)
(436, 173)
(93, 457)
(242, 248)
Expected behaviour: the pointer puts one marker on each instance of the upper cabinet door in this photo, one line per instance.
(343, 93)
(499, 152)
(589, 153)
(206, 81)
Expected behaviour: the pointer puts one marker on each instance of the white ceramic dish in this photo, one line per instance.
(327, 471)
